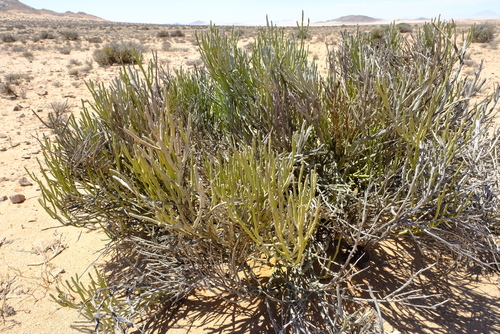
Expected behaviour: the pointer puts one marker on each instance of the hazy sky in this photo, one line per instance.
(255, 11)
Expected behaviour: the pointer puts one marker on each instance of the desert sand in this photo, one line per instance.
(37, 253)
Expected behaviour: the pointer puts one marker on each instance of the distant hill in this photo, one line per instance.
(17, 7)
(486, 14)
(198, 23)
(354, 18)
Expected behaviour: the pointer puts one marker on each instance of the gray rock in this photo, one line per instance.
(17, 198)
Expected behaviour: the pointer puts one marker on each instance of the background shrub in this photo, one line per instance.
(404, 27)
(162, 34)
(46, 35)
(96, 40)
(379, 33)
(70, 35)
(484, 33)
(8, 38)
(177, 33)
(257, 162)
(118, 53)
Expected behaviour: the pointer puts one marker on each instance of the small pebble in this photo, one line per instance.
(18, 108)
(24, 182)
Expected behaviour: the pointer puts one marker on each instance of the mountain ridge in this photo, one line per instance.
(17, 7)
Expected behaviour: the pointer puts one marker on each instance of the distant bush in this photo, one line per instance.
(29, 55)
(65, 50)
(8, 38)
(484, 33)
(404, 27)
(177, 33)
(70, 35)
(44, 35)
(162, 34)
(95, 40)
(118, 53)
(166, 46)
(379, 33)
(8, 89)
(16, 78)
(74, 62)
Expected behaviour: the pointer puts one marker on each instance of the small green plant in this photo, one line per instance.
(484, 33)
(118, 53)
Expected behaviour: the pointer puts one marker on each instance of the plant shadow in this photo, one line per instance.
(201, 313)
(473, 298)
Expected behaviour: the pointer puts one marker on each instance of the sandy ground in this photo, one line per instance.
(37, 253)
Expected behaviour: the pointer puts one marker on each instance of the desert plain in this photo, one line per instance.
(47, 66)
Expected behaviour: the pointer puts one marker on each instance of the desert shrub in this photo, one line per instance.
(45, 35)
(7, 88)
(74, 62)
(166, 46)
(379, 33)
(96, 40)
(255, 163)
(162, 34)
(28, 55)
(66, 50)
(177, 33)
(74, 71)
(18, 48)
(118, 53)
(8, 38)
(16, 78)
(484, 33)
(70, 35)
(404, 27)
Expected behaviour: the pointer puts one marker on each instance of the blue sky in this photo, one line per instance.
(255, 11)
